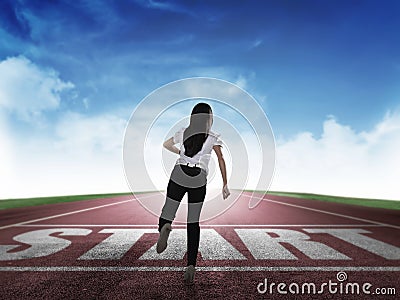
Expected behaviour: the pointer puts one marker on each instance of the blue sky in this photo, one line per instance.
(304, 61)
(309, 58)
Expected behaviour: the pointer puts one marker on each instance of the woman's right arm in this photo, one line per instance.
(170, 145)
(222, 166)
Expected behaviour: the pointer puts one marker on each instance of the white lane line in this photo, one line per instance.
(333, 214)
(206, 225)
(206, 269)
(65, 214)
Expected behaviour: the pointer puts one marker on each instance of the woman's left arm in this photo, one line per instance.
(222, 166)
(170, 145)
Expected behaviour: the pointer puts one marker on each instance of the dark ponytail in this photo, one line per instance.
(196, 134)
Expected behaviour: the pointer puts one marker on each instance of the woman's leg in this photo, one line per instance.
(175, 193)
(196, 199)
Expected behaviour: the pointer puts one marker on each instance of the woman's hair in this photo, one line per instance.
(196, 133)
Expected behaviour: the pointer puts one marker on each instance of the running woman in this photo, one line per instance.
(189, 175)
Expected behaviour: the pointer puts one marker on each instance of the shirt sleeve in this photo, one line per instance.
(217, 140)
(178, 136)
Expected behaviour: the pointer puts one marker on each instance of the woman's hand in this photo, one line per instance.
(225, 191)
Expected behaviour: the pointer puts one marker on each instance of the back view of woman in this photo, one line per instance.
(189, 175)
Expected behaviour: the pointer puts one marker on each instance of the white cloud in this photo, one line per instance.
(77, 154)
(86, 102)
(257, 43)
(28, 90)
(165, 6)
(84, 157)
(81, 133)
(342, 161)
(214, 72)
(241, 82)
(84, 154)
(6, 153)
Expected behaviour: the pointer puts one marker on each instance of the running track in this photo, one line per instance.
(105, 249)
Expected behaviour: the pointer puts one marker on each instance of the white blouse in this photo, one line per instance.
(202, 158)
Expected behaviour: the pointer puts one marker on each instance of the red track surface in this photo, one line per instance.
(57, 276)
